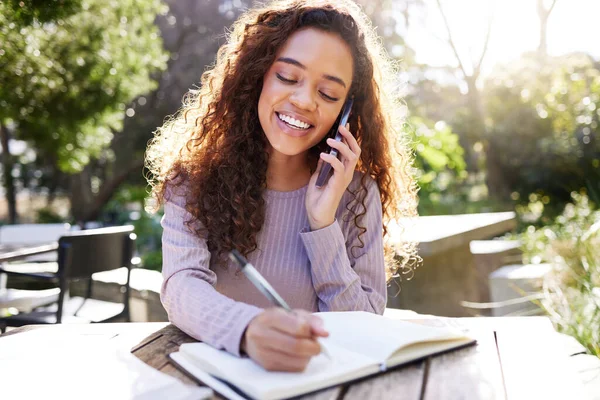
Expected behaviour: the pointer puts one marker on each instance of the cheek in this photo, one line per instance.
(329, 118)
(268, 97)
(263, 102)
(272, 87)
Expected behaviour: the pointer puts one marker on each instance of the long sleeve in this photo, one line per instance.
(188, 293)
(347, 278)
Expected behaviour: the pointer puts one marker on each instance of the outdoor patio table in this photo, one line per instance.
(515, 358)
(16, 252)
(12, 252)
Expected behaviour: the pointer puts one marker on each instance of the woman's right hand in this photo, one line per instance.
(282, 341)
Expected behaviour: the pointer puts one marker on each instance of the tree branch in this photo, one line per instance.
(544, 13)
(551, 7)
(450, 41)
(7, 166)
(109, 188)
(485, 44)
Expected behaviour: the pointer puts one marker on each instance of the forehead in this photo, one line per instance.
(321, 52)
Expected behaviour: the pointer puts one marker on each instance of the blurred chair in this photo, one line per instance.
(19, 235)
(81, 254)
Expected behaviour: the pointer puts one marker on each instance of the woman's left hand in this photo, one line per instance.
(322, 203)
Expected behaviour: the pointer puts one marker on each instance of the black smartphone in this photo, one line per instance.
(326, 169)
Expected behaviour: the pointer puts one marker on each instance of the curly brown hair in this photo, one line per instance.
(215, 145)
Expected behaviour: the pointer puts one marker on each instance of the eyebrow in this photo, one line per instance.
(297, 63)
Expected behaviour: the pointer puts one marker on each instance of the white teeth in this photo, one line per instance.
(293, 121)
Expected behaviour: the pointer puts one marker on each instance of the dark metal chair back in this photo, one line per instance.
(83, 253)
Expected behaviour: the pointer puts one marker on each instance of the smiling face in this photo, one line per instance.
(304, 90)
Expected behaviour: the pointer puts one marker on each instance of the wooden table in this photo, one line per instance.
(448, 275)
(515, 358)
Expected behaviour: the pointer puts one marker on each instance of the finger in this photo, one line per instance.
(288, 323)
(317, 326)
(335, 163)
(351, 140)
(344, 150)
(319, 166)
(315, 174)
(279, 342)
(352, 161)
(282, 362)
(316, 323)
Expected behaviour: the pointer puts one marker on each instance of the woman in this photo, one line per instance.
(236, 168)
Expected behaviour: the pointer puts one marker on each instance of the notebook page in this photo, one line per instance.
(255, 381)
(376, 336)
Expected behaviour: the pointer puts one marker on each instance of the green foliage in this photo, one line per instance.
(126, 207)
(47, 216)
(25, 12)
(152, 260)
(439, 163)
(65, 83)
(572, 291)
(149, 231)
(437, 149)
(545, 127)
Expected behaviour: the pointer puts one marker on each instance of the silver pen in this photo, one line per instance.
(264, 287)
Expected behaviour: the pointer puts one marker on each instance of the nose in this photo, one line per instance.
(304, 99)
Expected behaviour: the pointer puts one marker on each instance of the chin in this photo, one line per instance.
(289, 150)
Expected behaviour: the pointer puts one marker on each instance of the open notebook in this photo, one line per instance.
(360, 344)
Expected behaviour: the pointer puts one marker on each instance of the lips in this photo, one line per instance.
(294, 116)
(292, 131)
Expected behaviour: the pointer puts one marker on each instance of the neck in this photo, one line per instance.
(287, 173)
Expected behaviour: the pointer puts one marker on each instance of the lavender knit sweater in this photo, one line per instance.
(312, 270)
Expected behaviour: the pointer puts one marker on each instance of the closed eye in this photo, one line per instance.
(328, 97)
(285, 80)
(281, 78)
